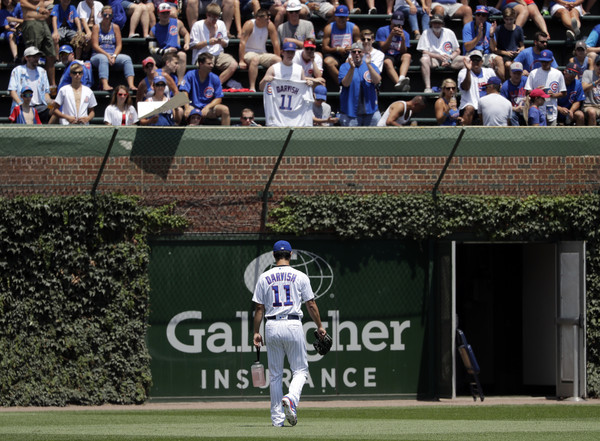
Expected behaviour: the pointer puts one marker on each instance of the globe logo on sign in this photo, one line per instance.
(315, 267)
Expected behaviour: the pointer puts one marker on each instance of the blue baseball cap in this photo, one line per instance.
(321, 92)
(546, 55)
(494, 80)
(482, 9)
(282, 245)
(342, 11)
(289, 46)
(26, 88)
(66, 49)
(195, 111)
(160, 79)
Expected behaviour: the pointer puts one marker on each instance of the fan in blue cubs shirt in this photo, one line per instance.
(204, 91)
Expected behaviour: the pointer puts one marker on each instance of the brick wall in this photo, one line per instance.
(222, 194)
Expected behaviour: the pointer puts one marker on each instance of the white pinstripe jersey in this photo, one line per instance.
(282, 290)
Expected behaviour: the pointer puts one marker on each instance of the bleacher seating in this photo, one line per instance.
(137, 48)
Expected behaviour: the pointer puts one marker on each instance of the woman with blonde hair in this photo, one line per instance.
(121, 111)
(446, 112)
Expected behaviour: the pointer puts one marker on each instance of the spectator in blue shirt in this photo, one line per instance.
(537, 117)
(477, 35)
(513, 90)
(204, 91)
(65, 25)
(569, 106)
(529, 57)
(358, 99)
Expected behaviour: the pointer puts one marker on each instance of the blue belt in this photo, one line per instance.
(289, 317)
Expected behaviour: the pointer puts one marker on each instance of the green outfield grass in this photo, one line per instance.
(463, 423)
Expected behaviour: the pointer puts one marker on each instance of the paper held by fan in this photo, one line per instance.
(148, 109)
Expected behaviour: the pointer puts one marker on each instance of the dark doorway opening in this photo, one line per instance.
(489, 299)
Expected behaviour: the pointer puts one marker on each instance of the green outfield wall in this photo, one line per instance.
(372, 297)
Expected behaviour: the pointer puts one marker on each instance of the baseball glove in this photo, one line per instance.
(322, 345)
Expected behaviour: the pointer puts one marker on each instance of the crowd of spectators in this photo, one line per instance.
(492, 60)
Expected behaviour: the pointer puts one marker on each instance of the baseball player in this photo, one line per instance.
(278, 296)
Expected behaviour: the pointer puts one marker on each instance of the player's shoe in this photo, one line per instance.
(290, 410)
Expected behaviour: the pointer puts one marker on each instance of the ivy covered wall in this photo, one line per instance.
(74, 299)
(535, 218)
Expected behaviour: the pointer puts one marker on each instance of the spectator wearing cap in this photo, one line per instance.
(338, 37)
(513, 90)
(36, 33)
(394, 41)
(210, 35)
(295, 29)
(321, 8)
(145, 88)
(286, 69)
(494, 109)
(508, 39)
(32, 75)
(536, 115)
(551, 81)
(399, 113)
(195, 118)
(530, 57)
(472, 82)
(164, 119)
(453, 9)
(322, 115)
(439, 48)
(198, 8)
(358, 98)
(204, 91)
(253, 45)
(24, 113)
(106, 51)
(412, 11)
(581, 58)
(67, 57)
(75, 101)
(311, 61)
(569, 13)
(570, 106)
(591, 86)
(167, 32)
(480, 35)
(120, 111)
(65, 25)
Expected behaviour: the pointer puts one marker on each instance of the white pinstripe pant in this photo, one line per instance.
(285, 338)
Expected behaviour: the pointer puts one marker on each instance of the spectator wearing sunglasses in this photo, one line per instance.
(358, 99)
(24, 113)
(121, 111)
(247, 119)
(107, 46)
(76, 102)
(530, 57)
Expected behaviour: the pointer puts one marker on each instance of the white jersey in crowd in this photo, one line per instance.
(257, 41)
(288, 103)
(308, 65)
(283, 290)
(377, 58)
(551, 79)
(66, 99)
(201, 33)
(402, 119)
(495, 110)
(478, 83)
(445, 44)
(114, 117)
